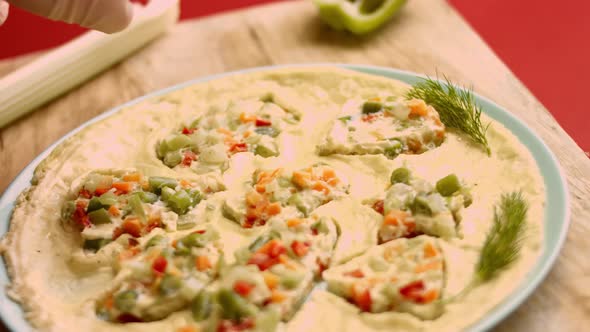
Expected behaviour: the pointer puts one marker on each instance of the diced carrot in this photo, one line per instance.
(418, 107)
(377, 99)
(114, 211)
(414, 145)
(224, 131)
(301, 179)
(243, 287)
(185, 184)
(253, 198)
(333, 182)
(428, 267)
(187, 328)
(430, 250)
(294, 222)
(300, 248)
(133, 177)
(109, 303)
(202, 263)
(129, 253)
(320, 186)
(410, 224)
(244, 118)
(238, 147)
(355, 273)
(247, 134)
(328, 174)
(429, 296)
(132, 226)
(261, 188)
(277, 297)
(273, 209)
(273, 248)
(123, 187)
(271, 280)
(394, 217)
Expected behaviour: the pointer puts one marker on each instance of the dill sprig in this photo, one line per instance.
(504, 241)
(457, 108)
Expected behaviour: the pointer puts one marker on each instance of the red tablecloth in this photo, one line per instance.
(545, 43)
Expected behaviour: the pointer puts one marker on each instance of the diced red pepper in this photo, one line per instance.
(243, 287)
(321, 265)
(231, 326)
(355, 274)
(202, 231)
(159, 265)
(188, 131)
(378, 206)
(363, 300)
(263, 123)
(238, 147)
(300, 248)
(370, 117)
(413, 291)
(85, 193)
(131, 242)
(263, 261)
(188, 158)
(128, 318)
(101, 191)
(273, 248)
(80, 216)
(153, 223)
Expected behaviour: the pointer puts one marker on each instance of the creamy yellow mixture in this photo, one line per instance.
(58, 285)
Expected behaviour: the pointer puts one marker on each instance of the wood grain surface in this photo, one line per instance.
(427, 37)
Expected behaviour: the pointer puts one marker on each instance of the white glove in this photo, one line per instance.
(104, 15)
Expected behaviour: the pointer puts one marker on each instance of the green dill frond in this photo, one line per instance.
(457, 108)
(504, 241)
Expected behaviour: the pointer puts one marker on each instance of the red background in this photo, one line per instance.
(545, 43)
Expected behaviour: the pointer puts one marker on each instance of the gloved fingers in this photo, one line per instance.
(3, 11)
(104, 15)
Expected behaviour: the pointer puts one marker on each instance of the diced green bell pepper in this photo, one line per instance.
(95, 244)
(137, 207)
(291, 280)
(170, 284)
(265, 151)
(202, 306)
(125, 301)
(234, 306)
(359, 16)
(268, 131)
(100, 216)
(155, 241)
(157, 183)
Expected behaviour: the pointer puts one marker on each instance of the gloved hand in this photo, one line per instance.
(104, 15)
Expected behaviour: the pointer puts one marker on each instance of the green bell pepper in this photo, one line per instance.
(357, 16)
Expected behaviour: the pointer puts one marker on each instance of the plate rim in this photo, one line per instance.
(12, 313)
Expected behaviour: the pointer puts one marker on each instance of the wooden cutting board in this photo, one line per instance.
(427, 37)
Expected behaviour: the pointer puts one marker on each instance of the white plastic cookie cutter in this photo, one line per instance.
(71, 64)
